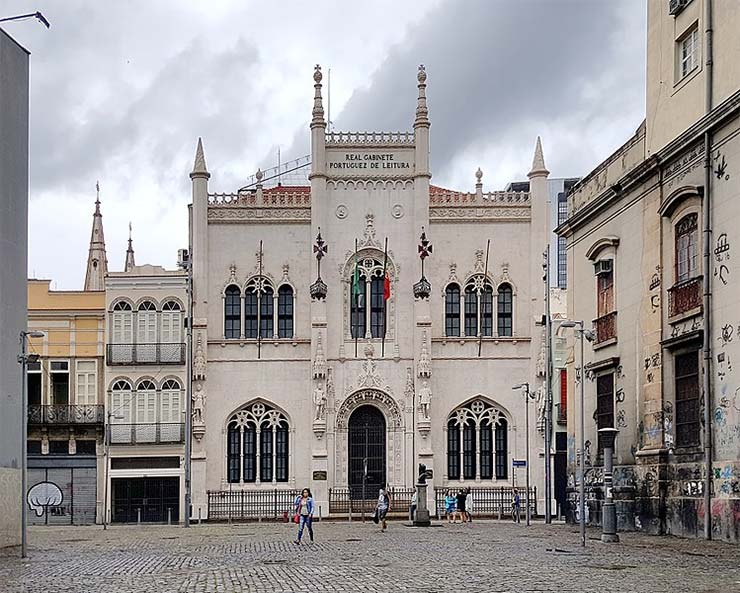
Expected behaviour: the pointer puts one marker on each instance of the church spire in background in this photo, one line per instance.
(538, 162)
(97, 260)
(130, 263)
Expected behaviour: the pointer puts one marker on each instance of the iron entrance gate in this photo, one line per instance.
(61, 495)
(149, 497)
(366, 446)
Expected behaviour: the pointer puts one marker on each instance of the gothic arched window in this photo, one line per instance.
(257, 448)
(266, 312)
(285, 312)
(259, 308)
(232, 312)
(478, 307)
(452, 310)
(476, 442)
(368, 303)
(505, 308)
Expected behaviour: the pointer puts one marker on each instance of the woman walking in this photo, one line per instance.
(450, 504)
(384, 505)
(303, 508)
(460, 503)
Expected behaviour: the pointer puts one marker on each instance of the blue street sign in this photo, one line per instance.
(518, 463)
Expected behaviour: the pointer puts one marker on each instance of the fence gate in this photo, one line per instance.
(366, 445)
(148, 498)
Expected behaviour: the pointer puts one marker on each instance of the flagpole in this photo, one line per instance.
(356, 295)
(259, 304)
(485, 278)
(385, 313)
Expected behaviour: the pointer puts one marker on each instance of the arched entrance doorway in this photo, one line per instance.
(367, 452)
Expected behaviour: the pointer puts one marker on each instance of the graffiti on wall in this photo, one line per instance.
(722, 258)
(655, 282)
(43, 497)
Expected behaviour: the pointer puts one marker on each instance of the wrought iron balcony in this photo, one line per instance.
(685, 297)
(150, 433)
(606, 327)
(159, 353)
(65, 414)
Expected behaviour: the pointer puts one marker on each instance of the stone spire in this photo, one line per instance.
(130, 263)
(97, 260)
(422, 112)
(318, 106)
(199, 166)
(538, 163)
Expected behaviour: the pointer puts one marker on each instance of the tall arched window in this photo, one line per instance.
(476, 442)
(505, 308)
(687, 248)
(478, 307)
(121, 404)
(170, 412)
(171, 348)
(452, 310)
(232, 312)
(250, 312)
(257, 445)
(266, 312)
(285, 311)
(368, 304)
(146, 332)
(121, 347)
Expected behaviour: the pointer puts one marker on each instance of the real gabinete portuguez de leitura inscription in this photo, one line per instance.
(364, 160)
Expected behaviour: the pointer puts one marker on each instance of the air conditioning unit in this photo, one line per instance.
(603, 266)
(182, 258)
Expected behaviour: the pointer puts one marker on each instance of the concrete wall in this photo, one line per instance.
(14, 247)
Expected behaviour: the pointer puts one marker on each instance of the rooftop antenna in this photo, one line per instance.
(278, 167)
(328, 101)
(37, 15)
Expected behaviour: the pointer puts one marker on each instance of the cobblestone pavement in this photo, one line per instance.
(486, 556)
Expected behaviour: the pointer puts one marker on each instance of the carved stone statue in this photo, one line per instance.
(199, 403)
(425, 399)
(319, 402)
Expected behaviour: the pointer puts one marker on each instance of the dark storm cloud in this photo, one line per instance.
(497, 68)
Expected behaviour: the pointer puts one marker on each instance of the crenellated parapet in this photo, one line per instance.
(370, 139)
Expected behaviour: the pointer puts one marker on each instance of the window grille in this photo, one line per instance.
(688, 401)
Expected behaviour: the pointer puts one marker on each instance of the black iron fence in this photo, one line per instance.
(65, 414)
(153, 433)
(159, 353)
(343, 501)
(490, 501)
(233, 505)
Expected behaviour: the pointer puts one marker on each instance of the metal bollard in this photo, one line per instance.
(138, 516)
(199, 517)
(500, 511)
(169, 515)
(319, 513)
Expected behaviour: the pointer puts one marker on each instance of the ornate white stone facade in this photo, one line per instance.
(364, 188)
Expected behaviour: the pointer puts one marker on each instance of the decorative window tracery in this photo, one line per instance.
(477, 442)
(257, 445)
(369, 311)
(478, 306)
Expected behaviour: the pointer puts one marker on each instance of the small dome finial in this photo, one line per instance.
(478, 175)
(259, 175)
(422, 75)
(317, 76)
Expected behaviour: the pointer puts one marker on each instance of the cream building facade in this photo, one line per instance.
(327, 377)
(649, 240)
(146, 385)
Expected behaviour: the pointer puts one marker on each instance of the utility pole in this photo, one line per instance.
(548, 391)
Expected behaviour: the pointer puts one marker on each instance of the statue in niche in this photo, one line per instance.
(319, 402)
(199, 402)
(425, 399)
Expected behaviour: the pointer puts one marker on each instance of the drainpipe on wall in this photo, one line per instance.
(707, 284)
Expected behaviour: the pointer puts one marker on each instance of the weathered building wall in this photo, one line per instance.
(14, 248)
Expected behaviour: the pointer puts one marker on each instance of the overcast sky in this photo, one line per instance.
(120, 92)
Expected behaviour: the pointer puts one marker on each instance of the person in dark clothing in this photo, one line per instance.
(460, 511)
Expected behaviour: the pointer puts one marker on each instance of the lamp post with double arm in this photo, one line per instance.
(583, 334)
(527, 396)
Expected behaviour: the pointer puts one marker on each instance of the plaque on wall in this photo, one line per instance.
(319, 475)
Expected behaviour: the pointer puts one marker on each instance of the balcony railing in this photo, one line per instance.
(65, 414)
(606, 327)
(160, 353)
(684, 297)
(152, 433)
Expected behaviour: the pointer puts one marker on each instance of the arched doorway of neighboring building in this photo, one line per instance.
(367, 452)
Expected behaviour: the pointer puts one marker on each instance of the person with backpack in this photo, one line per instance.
(516, 504)
(382, 508)
(303, 508)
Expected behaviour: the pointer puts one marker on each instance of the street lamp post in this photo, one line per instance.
(24, 358)
(609, 511)
(587, 335)
(527, 396)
